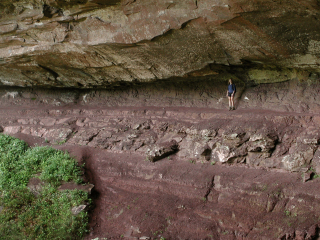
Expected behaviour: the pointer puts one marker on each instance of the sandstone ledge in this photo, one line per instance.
(88, 44)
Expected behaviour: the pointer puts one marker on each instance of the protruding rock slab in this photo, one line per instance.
(159, 151)
(86, 44)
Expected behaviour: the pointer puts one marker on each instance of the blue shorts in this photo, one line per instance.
(229, 94)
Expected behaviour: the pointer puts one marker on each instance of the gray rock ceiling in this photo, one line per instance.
(100, 43)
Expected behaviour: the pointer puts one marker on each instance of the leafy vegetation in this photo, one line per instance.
(46, 214)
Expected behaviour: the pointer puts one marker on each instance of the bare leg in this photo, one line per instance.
(232, 102)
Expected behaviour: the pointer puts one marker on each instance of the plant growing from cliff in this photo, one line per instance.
(287, 212)
(45, 213)
(264, 187)
(315, 176)
(313, 172)
(62, 142)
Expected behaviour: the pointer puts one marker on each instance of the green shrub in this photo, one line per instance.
(55, 166)
(46, 215)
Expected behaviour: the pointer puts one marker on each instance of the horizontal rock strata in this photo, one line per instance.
(290, 96)
(243, 174)
(173, 199)
(87, 44)
(273, 141)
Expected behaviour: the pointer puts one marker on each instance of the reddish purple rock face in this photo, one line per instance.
(189, 171)
(136, 89)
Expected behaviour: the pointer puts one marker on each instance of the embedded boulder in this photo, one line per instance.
(261, 143)
(230, 148)
(159, 151)
(299, 156)
(78, 209)
(197, 144)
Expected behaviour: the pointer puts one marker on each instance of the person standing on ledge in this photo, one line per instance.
(230, 94)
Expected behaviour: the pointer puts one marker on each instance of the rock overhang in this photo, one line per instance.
(88, 44)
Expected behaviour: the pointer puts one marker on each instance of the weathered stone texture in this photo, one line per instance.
(87, 44)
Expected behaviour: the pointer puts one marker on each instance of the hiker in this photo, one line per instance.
(230, 94)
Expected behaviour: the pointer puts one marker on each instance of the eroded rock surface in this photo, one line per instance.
(276, 140)
(146, 81)
(174, 199)
(251, 173)
(86, 44)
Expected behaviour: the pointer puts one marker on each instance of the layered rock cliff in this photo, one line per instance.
(136, 90)
(178, 172)
(100, 43)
